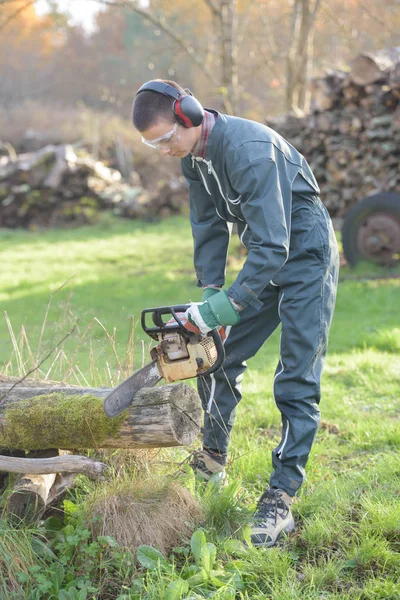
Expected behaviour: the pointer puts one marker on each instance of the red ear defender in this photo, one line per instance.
(180, 116)
(187, 110)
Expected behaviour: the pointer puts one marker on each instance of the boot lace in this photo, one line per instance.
(271, 506)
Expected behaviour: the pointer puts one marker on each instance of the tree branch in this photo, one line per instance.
(15, 14)
(161, 23)
(217, 12)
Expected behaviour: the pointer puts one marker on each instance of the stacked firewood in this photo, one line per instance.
(61, 185)
(351, 138)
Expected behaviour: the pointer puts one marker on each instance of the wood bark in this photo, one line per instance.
(39, 418)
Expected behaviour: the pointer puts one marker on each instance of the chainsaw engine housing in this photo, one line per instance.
(179, 358)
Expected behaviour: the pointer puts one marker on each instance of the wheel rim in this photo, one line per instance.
(378, 238)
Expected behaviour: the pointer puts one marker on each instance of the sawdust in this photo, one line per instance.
(160, 516)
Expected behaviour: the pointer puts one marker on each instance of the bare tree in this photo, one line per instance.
(299, 56)
(225, 24)
(224, 14)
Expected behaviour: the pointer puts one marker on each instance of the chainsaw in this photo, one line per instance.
(180, 354)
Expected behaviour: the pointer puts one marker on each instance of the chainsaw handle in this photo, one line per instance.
(159, 325)
(220, 352)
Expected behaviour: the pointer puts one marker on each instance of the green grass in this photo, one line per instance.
(347, 544)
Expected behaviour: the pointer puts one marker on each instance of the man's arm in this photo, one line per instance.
(210, 233)
(266, 200)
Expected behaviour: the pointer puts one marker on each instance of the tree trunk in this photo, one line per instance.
(228, 32)
(299, 54)
(225, 24)
(73, 418)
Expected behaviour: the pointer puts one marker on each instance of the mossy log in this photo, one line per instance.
(73, 418)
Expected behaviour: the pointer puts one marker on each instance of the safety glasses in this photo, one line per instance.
(167, 140)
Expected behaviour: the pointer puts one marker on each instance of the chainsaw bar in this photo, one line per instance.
(122, 397)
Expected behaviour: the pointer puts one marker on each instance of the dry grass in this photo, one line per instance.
(144, 512)
(26, 360)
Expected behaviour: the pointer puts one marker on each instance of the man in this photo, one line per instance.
(242, 172)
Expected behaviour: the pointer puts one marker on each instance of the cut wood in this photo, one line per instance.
(30, 495)
(324, 90)
(374, 66)
(34, 492)
(394, 77)
(73, 418)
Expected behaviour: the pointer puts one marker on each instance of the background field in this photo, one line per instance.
(348, 514)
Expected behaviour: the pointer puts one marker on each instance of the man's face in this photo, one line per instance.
(171, 138)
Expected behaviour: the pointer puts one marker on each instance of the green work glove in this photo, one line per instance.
(215, 312)
(208, 292)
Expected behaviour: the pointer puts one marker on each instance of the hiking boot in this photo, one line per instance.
(272, 518)
(209, 465)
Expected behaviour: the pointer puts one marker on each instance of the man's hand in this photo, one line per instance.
(215, 312)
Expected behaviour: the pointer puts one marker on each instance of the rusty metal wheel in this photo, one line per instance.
(371, 230)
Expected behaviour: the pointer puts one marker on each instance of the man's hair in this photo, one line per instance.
(149, 107)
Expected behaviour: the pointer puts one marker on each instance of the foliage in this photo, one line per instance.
(200, 573)
(72, 565)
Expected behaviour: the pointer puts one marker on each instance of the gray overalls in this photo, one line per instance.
(251, 176)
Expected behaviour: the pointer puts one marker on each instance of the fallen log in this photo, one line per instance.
(58, 464)
(73, 418)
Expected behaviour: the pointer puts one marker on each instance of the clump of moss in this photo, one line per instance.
(57, 421)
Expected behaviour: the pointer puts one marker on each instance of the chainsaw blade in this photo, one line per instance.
(122, 397)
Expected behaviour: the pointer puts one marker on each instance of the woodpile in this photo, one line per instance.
(351, 138)
(61, 185)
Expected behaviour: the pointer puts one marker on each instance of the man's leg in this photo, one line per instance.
(221, 392)
(307, 296)
(306, 313)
